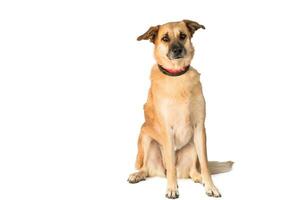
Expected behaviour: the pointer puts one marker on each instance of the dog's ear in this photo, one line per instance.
(192, 26)
(150, 34)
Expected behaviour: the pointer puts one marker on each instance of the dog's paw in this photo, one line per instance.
(212, 190)
(172, 194)
(196, 177)
(137, 177)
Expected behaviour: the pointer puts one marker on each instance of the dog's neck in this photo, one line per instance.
(173, 72)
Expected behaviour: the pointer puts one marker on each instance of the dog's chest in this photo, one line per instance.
(173, 100)
(177, 119)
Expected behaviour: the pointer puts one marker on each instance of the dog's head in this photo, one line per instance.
(173, 46)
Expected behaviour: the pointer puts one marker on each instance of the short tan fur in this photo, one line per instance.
(172, 141)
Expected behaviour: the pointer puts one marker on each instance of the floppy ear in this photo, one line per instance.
(150, 34)
(192, 26)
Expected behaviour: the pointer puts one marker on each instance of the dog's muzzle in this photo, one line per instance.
(176, 51)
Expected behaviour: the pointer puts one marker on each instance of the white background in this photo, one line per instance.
(73, 81)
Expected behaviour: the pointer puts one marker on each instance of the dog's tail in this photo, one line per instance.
(216, 167)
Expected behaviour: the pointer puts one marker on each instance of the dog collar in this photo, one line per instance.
(171, 72)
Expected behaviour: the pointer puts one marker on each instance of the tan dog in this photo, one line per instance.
(172, 140)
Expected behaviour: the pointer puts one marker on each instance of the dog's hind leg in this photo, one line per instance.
(194, 172)
(149, 159)
(154, 163)
(142, 156)
(187, 163)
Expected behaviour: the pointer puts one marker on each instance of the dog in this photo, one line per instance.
(172, 140)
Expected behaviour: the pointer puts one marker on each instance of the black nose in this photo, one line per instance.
(177, 50)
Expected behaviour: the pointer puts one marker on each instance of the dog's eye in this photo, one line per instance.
(182, 36)
(165, 38)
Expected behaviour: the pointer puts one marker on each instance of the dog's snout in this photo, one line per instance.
(177, 50)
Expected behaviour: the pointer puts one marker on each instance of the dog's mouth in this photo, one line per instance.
(176, 57)
(172, 56)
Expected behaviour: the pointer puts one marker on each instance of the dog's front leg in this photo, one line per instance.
(169, 155)
(200, 143)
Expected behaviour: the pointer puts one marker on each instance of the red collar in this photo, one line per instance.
(173, 72)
